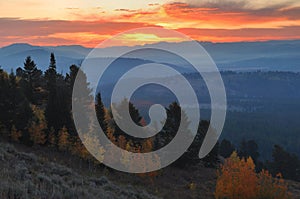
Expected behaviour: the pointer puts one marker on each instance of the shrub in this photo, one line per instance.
(269, 187)
(237, 179)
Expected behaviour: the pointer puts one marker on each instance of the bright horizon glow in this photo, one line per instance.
(89, 22)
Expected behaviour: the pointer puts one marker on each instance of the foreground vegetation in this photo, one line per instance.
(25, 175)
(38, 171)
(237, 179)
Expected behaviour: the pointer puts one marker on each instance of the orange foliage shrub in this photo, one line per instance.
(270, 187)
(237, 179)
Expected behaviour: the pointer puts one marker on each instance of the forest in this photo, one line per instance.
(36, 112)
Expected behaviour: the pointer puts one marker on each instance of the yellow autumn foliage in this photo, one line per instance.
(237, 179)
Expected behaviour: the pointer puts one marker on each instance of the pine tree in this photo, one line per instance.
(285, 163)
(172, 123)
(52, 64)
(58, 111)
(32, 80)
(29, 66)
(249, 149)
(69, 81)
(5, 115)
(70, 78)
(120, 109)
(51, 107)
(226, 148)
(101, 112)
(212, 157)
(15, 109)
(83, 100)
(18, 106)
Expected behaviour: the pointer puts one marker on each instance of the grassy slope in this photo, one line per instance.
(46, 173)
(26, 175)
(53, 172)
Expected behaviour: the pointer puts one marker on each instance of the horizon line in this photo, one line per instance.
(212, 42)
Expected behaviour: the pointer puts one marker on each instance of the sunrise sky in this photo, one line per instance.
(88, 22)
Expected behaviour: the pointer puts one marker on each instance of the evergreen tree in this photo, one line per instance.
(249, 149)
(171, 125)
(4, 102)
(211, 159)
(83, 100)
(69, 81)
(125, 105)
(70, 78)
(101, 112)
(57, 108)
(285, 163)
(20, 72)
(50, 74)
(226, 148)
(51, 111)
(191, 156)
(29, 66)
(31, 80)
(52, 64)
(14, 106)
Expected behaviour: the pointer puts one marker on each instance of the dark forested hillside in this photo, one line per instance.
(263, 106)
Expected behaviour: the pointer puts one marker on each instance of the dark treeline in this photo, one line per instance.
(282, 161)
(36, 111)
(36, 106)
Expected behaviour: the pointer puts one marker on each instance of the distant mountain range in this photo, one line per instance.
(14, 55)
(239, 56)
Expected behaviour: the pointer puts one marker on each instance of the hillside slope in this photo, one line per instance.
(43, 173)
(25, 175)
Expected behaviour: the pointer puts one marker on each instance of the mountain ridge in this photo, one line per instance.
(282, 55)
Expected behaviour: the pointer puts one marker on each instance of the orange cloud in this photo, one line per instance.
(217, 21)
(245, 34)
(213, 16)
(88, 33)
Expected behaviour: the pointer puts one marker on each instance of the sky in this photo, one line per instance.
(89, 22)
